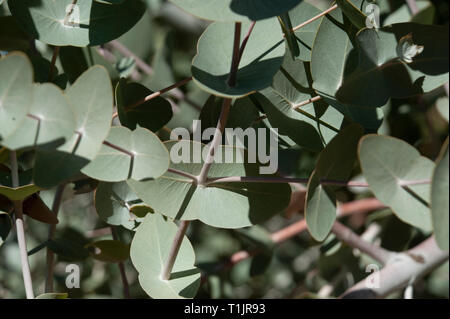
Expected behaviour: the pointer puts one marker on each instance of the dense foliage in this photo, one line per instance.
(353, 93)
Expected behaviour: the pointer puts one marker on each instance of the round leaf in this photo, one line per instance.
(137, 154)
(50, 121)
(261, 59)
(389, 164)
(92, 99)
(87, 22)
(149, 251)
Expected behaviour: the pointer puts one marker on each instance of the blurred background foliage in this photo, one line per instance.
(166, 38)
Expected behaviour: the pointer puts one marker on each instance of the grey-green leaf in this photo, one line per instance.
(137, 154)
(84, 23)
(399, 177)
(261, 59)
(15, 92)
(92, 99)
(149, 252)
(50, 121)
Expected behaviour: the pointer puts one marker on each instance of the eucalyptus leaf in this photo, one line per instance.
(92, 100)
(149, 252)
(260, 61)
(390, 166)
(313, 124)
(50, 121)
(86, 22)
(224, 205)
(137, 154)
(15, 92)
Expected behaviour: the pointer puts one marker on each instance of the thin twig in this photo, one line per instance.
(52, 64)
(226, 106)
(174, 249)
(123, 275)
(184, 174)
(315, 18)
(51, 235)
(346, 235)
(245, 41)
(155, 95)
(18, 209)
(236, 55)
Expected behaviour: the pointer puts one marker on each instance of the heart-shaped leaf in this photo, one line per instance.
(92, 100)
(149, 251)
(398, 175)
(236, 10)
(261, 59)
(335, 163)
(225, 205)
(50, 121)
(313, 124)
(15, 92)
(113, 251)
(137, 154)
(82, 23)
(439, 199)
(152, 115)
